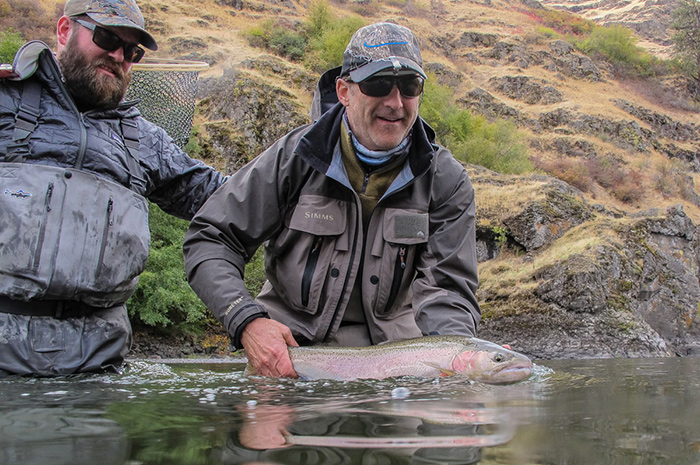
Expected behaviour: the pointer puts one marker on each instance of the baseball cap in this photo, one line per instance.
(117, 13)
(381, 46)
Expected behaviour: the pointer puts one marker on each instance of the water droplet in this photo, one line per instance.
(400, 393)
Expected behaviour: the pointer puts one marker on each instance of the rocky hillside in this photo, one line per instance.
(596, 255)
(648, 18)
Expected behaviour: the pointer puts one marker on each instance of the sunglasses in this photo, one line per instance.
(109, 41)
(380, 86)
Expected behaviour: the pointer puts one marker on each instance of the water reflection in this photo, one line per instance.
(60, 436)
(212, 414)
(621, 412)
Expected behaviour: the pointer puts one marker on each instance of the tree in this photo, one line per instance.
(686, 23)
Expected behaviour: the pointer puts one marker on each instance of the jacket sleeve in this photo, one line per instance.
(177, 183)
(445, 288)
(223, 236)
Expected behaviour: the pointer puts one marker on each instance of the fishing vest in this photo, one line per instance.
(68, 234)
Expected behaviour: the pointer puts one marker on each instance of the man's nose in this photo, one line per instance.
(117, 55)
(394, 99)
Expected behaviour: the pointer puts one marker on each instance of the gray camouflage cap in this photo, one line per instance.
(380, 46)
(117, 13)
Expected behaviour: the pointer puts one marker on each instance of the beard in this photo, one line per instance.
(88, 87)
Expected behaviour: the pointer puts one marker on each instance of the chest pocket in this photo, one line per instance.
(390, 266)
(303, 254)
(70, 235)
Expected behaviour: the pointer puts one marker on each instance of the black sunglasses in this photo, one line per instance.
(380, 86)
(109, 41)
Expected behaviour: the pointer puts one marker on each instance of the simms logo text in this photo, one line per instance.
(318, 216)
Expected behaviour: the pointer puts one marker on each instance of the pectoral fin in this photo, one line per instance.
(443, 371)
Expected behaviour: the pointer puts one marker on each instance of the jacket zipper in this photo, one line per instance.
(399, 270)
(310, 269)
(105, 232)
(347, 276)
(42, 231)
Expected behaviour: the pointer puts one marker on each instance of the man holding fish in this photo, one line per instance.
(368, 224)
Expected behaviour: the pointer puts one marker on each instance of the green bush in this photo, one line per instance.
(319, 41)
(618, 45)
(280, 38)
(10, 42)
(328, 45)
(472, 138)
(163, 297)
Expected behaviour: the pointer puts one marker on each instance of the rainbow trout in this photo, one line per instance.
(426, 357)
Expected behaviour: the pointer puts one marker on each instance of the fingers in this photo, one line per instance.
(265, 342)
(6, 73)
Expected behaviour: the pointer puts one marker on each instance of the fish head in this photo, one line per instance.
(496, 365)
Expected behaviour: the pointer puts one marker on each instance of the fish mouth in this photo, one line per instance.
(511, 373)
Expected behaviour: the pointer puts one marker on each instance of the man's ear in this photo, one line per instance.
(64, 29)
(342, 89)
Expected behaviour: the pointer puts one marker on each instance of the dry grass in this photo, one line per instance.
(513, 270)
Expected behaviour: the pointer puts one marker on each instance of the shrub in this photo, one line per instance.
(618, 45)
(10, 42)
(571, 171)
(319, 41)
(472, 138)
(280, 38)
(624, 184)
(562, 22)
(328, 44)
(163, 297)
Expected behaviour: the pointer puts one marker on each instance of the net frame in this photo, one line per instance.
(166, 90)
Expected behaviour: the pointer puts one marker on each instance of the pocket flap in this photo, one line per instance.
(318, 215)
(405, 226)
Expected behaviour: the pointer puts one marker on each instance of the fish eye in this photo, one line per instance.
(499, 357)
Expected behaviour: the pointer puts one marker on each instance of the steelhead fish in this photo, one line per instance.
(425, 357)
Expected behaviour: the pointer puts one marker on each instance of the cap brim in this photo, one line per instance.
(372, 68)
(119, 21)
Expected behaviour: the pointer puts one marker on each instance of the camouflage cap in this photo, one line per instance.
(379, 46)
(116, 13)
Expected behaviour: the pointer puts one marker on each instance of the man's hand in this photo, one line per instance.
(265, 342)
(265, 427)
(6, 71)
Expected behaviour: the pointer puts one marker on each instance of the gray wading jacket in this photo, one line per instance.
(75, 176)
(416, 263)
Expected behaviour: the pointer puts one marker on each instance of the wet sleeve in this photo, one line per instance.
(447, 279)
(178, 183)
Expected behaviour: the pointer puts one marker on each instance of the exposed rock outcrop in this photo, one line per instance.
(235, 105)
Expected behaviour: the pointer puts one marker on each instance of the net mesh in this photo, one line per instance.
(167, 90)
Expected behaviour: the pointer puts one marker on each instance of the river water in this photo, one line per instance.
(611, 411)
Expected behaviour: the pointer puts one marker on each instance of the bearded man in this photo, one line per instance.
(76, 167)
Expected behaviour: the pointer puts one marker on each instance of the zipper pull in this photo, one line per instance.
(402, 257)
(110, 208)
(317, 245)
(49, 194)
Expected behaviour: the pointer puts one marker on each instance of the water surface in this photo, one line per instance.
(627, 411)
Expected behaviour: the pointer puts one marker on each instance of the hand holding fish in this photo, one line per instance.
(265, 342)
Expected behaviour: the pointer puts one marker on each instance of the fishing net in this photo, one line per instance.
(166, 90)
